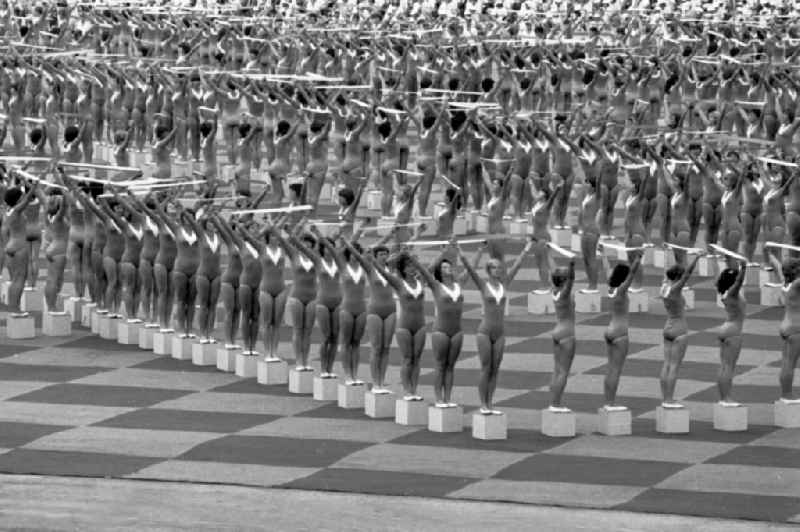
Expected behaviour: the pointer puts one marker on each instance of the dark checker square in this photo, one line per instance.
(381, 482)
(95, 343)
(590, 470)
(30, 461)
(45, 372)
(711, 504)
(252, 386)
(512, 380)
(173, 364)
(186, 420)
(696, 371)
(760, 455)
(332, 410)
(746, 393)
(595, 348)
(579, 402)
(97, 395)
(14, 434)
(11, 350)
(519, 441)
(274, 451)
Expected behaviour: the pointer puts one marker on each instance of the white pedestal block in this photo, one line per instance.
(162, 342)
(385, 225)
(108, 326)
(753, 275)
(772, 295)
(4, 286)
(489, 427)
(561, 236)
(518, 227)
(614, 422)
(730, 418)
(586, 301)
(182, 347)
(351, 396)
(663, 258)
(246, 365)
(471, 219)
(20, 327)
(178, 169)
(410, 413)
(301, 381)
(575, 242)
(481, 223)
(379, 405)
(638, 300)
(766, 276)
(708, 266)
(73, 306)
(558, 424)
(87, 312)
(787, 415)
(672, 420)
(226, 358)
(460, 226)
(688, 296)
(374, 198)
(326, 389)
(272, 371)
(540, 302)
(448, 419)
(128, 332)
(204, 354)
(146, 336)
(56, 324)
(95, 320)
(227, 172)
(32, 300)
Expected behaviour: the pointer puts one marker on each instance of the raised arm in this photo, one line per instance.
(514, 269)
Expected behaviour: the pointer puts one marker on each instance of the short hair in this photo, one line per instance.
(297, 188)
(618, 275)
(347, 195)
(36, 135)
(726, 279)
(790, 269)
(559, 276)
(380, 249)
(13, 196)
(71, 133)
(206, 128)
(437, 268)
(675, 272)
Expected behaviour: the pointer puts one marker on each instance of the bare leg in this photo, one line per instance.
(791, 351)
(452, 357)
(729, 350)
(564, 352)
(674, 351)
(617, 352)
(441, 349)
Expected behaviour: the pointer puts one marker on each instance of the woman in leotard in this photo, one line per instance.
(57, 228)
(616, 334)
(207, 278)
(589, 230)
(132, 224)
(184, 271)
(540, 216)
(229, 281)
(490, 337)
(731, 225)
(329, 299)
(352, 168)
(752, 207)
(302, 302)
(676, 330)
(563, 333)
(428, 128)
(17, 249)
(272, 299)
(249, 290)
(111, 212)
(380, 318)
(317, 168)
(410, 333)
(729, 286)
(279, 167)
(248, 134)
(496, 208)
(773, 221)
(164, 264)
(162, 151)
(447, 336)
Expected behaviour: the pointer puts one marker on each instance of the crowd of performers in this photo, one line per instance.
(686, 121)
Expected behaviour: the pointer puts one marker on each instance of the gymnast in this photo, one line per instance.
(57, 228)
(164, 263)
(563, 333)
(302, 301)
(208, 276)
(410, 332)
(676, 330)
(616, 335)
(184, 272)
(789, 273)
(17, 248)
(729, 284)
(249, 288)
(329, 299)
(490, 337)
(229, 281)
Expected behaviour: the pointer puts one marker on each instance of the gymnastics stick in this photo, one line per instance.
(727, 252)
(776, 161)
(781, 246)
(297, 208)
(33, 120)
(408, 172)
(16, 158)
(391, 226)
(444, 242)
(558, 249)
(39, 180)
(166, 185)
(102, 167)
(620, 247)
(684, 248)
(446, 180)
